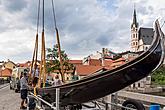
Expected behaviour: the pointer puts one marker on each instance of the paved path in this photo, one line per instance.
(9, 100)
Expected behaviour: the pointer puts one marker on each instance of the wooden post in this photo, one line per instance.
(34, 60)
(57, 98)
(59, 52)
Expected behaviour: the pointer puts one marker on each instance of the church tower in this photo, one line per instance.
(134, 33)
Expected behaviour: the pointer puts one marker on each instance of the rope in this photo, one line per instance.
(58, 41)
(54, 15)
(43, 16)
(38, 17)
(35, 52)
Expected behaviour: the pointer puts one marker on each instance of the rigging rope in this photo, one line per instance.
(43, 16)
(36, 47)
(35, 52)
(42, 74)
(58, 43)
(38, 17)
(54, 15)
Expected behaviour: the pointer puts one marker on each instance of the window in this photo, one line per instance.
(148, 78)
(136, 43)
(138, 84)
(133, 35)
(133, 43)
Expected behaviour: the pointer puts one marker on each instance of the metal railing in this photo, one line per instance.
(39, 101)
(99, 104)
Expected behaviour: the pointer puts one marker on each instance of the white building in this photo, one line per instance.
(141, 39)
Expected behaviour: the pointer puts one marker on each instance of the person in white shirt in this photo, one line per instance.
(57, 81)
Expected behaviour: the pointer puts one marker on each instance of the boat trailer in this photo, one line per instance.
(35, 102)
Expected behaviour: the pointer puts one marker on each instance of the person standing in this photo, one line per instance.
(24, 90)
(57, 81)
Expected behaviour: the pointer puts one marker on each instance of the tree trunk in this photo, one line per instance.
(62, 76)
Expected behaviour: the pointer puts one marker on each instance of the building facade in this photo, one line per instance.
(141, 39)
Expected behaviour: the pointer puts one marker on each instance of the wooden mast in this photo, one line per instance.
(42, 75)
(34, 61)
(60, 56)
(58, 44)
(35, 53)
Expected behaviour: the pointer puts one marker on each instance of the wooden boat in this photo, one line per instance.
(102, 84)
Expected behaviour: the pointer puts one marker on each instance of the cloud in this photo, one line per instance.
(85, 26)
(14, 5)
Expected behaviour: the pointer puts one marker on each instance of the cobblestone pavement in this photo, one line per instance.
(9, 100)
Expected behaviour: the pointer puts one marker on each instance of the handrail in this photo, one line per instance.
(38, 98)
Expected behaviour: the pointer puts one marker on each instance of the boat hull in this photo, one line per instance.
(102, 84)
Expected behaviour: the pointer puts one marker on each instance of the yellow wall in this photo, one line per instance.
(9, 65)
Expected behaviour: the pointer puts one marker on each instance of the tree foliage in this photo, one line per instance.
(53, 62)
(158, 76)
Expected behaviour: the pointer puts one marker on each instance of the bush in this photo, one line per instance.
(158, 76)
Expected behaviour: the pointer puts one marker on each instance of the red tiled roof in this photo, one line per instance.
(108, 67)
(95, 62)
(26, 64)
(108, 62)
(84, 70)
(75, 62)
(119, 60)
(6, 72)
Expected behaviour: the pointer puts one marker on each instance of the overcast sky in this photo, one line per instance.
(85, 26)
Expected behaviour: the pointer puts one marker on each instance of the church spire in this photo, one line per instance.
(134, 33)
(134, 19)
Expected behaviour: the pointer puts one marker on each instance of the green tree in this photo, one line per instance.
(53, 62)
(158, 76)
